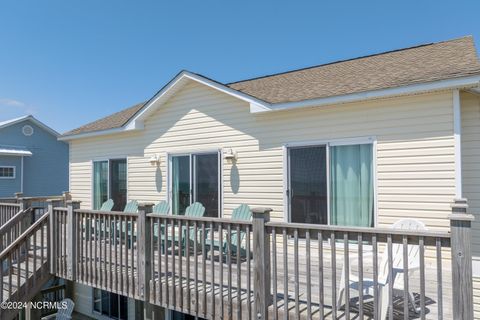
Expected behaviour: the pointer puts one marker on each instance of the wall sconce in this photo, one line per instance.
(155, 160)
(230, 154)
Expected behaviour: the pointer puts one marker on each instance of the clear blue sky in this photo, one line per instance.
(71, 62)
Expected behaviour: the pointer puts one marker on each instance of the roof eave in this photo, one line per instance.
(34, 120)
(446, 84)
(259, 106)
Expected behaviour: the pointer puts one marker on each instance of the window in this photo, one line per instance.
(195, 178)
(110, 304)
(7, 172)
(110, 181)
(331, 184)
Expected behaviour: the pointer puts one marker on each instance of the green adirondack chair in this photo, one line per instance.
(107, 205)
(160, 208)
(122, 227)
(194, 210)
(131, 206)
(242, 213)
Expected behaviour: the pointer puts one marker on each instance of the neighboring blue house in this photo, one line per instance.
(32, 160)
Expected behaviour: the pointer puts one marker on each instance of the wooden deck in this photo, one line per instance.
(187, 282)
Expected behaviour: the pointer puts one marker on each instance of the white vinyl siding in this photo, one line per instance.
(414, 165)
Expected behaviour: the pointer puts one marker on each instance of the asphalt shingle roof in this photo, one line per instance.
(424, 63)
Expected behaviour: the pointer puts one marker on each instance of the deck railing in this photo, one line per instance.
(220, 268)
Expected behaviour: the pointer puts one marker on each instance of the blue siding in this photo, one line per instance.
(46, 171)
(8, 187)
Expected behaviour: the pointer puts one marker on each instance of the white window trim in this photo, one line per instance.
(14, 172)
(108, 159)
(190, 153)
(329, 143)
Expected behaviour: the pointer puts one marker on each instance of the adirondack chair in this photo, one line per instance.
(242, 213)
(196, 209)
(125, 227)
(383, 271)
(131, 206)
(64, 312)
(160, 208)
(107, 205)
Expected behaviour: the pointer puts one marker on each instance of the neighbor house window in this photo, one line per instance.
(7, 172)
(331, 184)
(110, 304)
(195, 178)
(110, 182)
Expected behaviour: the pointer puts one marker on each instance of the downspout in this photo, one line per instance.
(457, 138)
(21, 177)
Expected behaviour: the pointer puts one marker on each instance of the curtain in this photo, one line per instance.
(100, 183)
(351, 185)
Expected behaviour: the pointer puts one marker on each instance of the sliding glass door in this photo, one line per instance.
(331, 184)
(180, 184)
(195, 178)
(110, 182)
(118, 183)
(308, 185)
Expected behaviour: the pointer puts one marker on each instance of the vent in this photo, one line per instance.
(27, 130)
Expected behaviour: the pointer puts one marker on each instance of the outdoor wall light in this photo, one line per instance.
(155, 160)
(230, 154)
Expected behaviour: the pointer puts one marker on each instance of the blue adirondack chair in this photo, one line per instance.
(242, 213)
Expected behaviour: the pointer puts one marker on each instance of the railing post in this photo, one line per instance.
(71, 238)
(461, 237)
(261, 258)
(27, 219)
(144, 247)
(51, 238)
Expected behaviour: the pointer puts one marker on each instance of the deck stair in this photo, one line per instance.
(24, 267)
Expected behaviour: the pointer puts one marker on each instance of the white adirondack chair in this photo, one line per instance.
(64, 312)
(383, 270)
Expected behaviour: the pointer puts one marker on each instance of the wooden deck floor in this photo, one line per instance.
(204, 289)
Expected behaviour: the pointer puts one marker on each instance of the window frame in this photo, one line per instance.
(328, 144)
(99, 314)
(14, 169)
(190, 154)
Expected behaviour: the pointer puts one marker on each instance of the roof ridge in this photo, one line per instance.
(350, 59)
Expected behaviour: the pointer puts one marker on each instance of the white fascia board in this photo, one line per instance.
(34, 120)
(256, 105)
(91, 134)
(459, 83)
